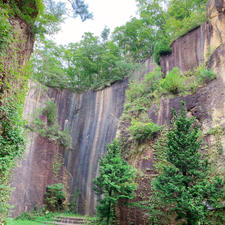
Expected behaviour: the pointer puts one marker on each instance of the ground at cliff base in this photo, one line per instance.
(51, 219)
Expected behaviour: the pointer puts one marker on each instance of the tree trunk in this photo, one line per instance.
(109, 208)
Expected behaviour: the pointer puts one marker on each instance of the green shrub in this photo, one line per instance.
(51, 130)
(173, 82)
(149, 85)
(54, 197)
(152, 81)
(207, 75)
(136, 90)
(161, 48)
(51, 112)
(141, 131)
(5, 30)
(25, 216)
(65, 139)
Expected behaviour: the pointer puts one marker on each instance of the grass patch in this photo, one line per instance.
(22, 222)
(141, 131)
(173, 82)
(37, 218)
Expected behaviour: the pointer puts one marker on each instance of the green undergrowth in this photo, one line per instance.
(54, 197)
(142, 131)
(161, 48)
(22, 222)
(142, 95)
(51, 128)
(13, 85)
(38, 217)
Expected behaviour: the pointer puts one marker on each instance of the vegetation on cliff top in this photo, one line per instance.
(91, 64)
(96, 62)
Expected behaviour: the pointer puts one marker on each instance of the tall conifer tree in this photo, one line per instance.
(184, 185)
(115, 181)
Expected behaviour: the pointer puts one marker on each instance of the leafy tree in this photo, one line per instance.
(89, 64)
(54, 13)
(80, 8)
(158, 20)
(138, 36)
(45, 16)
(115, 181)
(184, 185)
(105, 33)
(183, 16)
(48, 65)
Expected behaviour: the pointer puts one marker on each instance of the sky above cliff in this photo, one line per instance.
(110, 13)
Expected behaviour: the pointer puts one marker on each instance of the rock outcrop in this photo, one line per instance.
(203, 44)
(92, 120)
(196, 46)
(16, 42)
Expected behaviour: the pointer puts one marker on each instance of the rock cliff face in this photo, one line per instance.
(196, 46)
(204, 44)
(92, 120)
(14, 57)
(207, 104)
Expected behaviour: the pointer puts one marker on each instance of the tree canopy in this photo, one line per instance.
(158, 20)
(184, 185)
(89, 64)
(115, 181)
(96, 62)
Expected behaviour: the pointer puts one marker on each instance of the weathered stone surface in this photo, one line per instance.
(186, 51)
(196, 46)
(24, 39)
(92, 120)
(207, 104)
(34, 172)
(17, 56)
